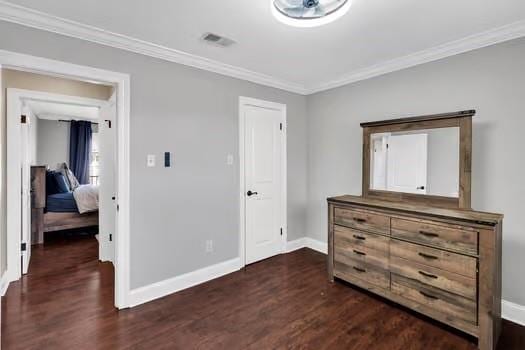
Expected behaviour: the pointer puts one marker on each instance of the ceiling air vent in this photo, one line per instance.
(217, 40)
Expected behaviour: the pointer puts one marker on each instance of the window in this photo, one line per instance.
(94, 165)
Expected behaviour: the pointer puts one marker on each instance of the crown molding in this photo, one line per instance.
(36, 19)
(32, 18)
(490, 37)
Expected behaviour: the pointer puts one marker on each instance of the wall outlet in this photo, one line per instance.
(209, 246)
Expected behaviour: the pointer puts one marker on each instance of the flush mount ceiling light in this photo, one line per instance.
(309, 13)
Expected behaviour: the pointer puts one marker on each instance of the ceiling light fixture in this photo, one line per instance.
(309, 13)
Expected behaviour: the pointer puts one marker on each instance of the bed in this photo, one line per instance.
(54, 212)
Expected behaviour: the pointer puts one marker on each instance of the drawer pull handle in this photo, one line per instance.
(362, 221)
(359, 253)
(358, 269)
(427, 274)
(428, 234)
(426, 256)
(429, 296)
(359, 237)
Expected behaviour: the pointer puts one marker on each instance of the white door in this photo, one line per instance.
(264, 144)
(107, 185)
(407, 163)
(25, 157)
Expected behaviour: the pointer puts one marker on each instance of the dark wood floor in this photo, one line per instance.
(66, 302)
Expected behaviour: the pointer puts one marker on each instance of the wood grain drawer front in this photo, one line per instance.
(441, 259)
(445, 280)
(359, 239)
(362, 220)
(363, 272)
(441, 236)
(346, 252)
(452, 305)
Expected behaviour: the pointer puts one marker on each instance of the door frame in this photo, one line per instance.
(243, 103)
(121, 83)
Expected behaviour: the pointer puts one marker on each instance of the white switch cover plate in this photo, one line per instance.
(229, 159)
(151, 160)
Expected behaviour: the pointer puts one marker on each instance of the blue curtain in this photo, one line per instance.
(80, 149)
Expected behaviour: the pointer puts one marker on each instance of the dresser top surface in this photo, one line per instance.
(458, 214)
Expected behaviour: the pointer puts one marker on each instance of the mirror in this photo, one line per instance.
(425, 161)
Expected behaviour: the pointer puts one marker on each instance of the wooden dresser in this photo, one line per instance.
(443, 263)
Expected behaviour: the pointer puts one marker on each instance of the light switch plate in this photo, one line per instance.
(151, 160)
(229, 159)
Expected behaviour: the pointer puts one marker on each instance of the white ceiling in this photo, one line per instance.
(373, 33)
(62, 111)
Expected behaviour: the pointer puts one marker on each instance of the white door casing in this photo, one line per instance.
(407, 163)
(107, 183)
(263, 179)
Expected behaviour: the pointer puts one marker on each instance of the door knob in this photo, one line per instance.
(250, 193)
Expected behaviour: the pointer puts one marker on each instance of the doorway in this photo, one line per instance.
(262, 145)
(121, 85)
(49, 130)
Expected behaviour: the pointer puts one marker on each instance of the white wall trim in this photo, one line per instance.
(321, 247)
(172, 285)
(122, 84)
(295, 244)
(307, 242)
(36, 19)
(513, 312)
(243, 103)
(4, 284)
(490, 37)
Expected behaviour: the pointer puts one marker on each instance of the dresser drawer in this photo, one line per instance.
(357, 239)
(362, 220)
(441, 259)
(441, 301)
(363, 272)
(347, 252)
(432, 276)
(464, 241)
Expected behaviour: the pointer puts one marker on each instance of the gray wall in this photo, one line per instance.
(490, 80)
(53, 142)
(193, 114)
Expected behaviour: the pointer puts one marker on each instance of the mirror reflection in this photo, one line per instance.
(418, 161)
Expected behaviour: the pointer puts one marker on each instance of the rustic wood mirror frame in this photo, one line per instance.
(462, 119)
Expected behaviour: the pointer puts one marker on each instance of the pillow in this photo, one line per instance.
(61, 183)
(51, 183)
(70, 177)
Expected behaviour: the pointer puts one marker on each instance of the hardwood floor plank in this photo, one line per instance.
(286, 302)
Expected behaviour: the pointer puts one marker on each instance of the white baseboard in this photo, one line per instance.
(160, 289)
(513, 312)
(4, 283)
(307, 242)
(321, 247)
(295, 245)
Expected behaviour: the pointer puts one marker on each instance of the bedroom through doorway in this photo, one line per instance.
(61, 174)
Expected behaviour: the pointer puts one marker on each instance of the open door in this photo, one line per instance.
(25, 164)
(107, 184)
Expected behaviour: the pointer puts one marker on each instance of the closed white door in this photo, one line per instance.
(264, 142)
(407, 163)
(107, 183)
